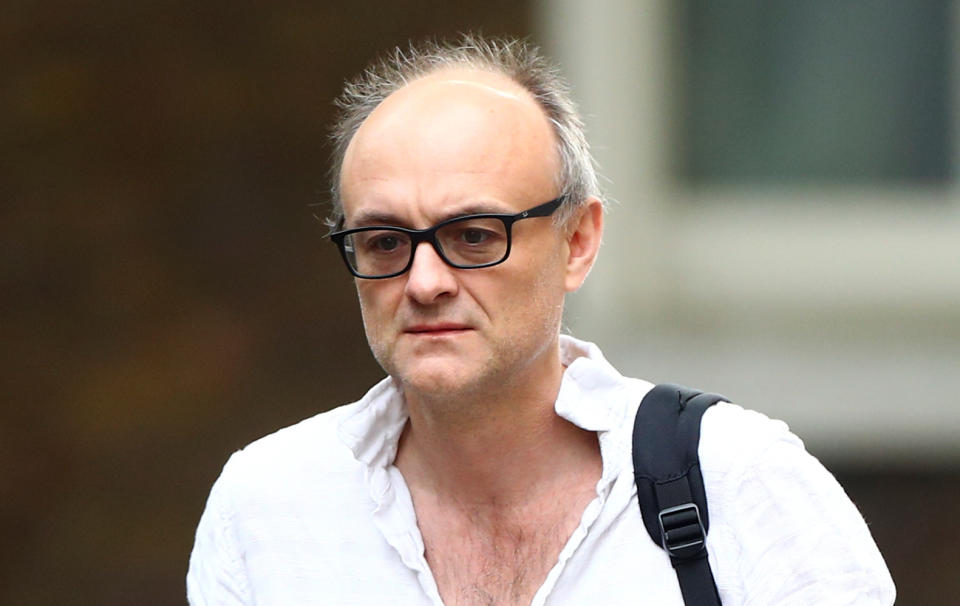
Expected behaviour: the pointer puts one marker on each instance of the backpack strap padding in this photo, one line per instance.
(670, 491)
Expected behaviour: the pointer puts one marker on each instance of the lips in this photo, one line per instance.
(438, 328)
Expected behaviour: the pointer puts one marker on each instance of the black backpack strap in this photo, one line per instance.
(673, 502)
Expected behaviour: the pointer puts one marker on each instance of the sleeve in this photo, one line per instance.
(216, 573)
(802, 541)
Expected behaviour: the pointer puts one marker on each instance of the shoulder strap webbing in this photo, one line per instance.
(673, 502)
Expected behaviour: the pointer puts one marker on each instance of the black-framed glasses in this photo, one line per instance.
(467, 242)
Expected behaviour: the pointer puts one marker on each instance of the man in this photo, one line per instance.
(493, 465)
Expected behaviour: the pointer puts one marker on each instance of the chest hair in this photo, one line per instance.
(483, 556)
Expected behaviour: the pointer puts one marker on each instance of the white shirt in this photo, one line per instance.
(317, 514)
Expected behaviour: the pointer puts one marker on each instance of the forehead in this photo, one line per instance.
(456, 137)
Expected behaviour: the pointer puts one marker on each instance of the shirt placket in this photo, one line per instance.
(396, 520)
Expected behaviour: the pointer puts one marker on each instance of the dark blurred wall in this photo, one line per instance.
(912, 512)
(166, 294)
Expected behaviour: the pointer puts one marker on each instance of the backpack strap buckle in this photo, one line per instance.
(681, 527)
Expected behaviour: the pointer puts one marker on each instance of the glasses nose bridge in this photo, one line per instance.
(426, 236)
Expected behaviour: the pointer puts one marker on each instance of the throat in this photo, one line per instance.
(497, 499)
(494, 469)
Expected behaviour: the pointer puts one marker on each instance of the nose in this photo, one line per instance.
(429, 278)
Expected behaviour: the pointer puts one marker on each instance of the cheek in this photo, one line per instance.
(372, 310)
(376, 327)
(546, 301)
(534, 301)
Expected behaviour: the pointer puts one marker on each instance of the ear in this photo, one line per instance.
(584, 233)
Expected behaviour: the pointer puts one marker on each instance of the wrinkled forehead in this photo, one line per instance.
(449, 133)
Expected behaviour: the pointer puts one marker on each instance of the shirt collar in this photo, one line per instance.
(593, 396)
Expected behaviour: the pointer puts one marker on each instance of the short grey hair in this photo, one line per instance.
(516, 59)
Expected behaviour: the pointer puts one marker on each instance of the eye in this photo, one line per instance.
(385, 243)
(472, 236)
(475, 236)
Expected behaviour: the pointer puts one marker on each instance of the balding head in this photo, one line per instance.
(443, 131)
(512, 59)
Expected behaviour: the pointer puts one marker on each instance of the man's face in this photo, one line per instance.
(450, 144)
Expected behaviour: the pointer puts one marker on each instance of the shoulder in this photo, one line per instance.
(307, 454)
(732, 438)
(289, 495)
(789, 531)
(313, 437)
(750, 459)
(293, 481)
(744, 453)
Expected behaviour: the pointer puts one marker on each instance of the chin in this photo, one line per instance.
(441, 381)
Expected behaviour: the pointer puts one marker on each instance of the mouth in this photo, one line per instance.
(437, 330)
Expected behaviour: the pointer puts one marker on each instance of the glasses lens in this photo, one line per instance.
(472, 242)
(377, 252)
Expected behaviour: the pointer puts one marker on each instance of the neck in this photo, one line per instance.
(497, 449)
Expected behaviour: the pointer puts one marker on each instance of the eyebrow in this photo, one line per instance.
(374, 218)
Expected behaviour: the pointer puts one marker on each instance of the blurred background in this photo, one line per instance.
(784, 229)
